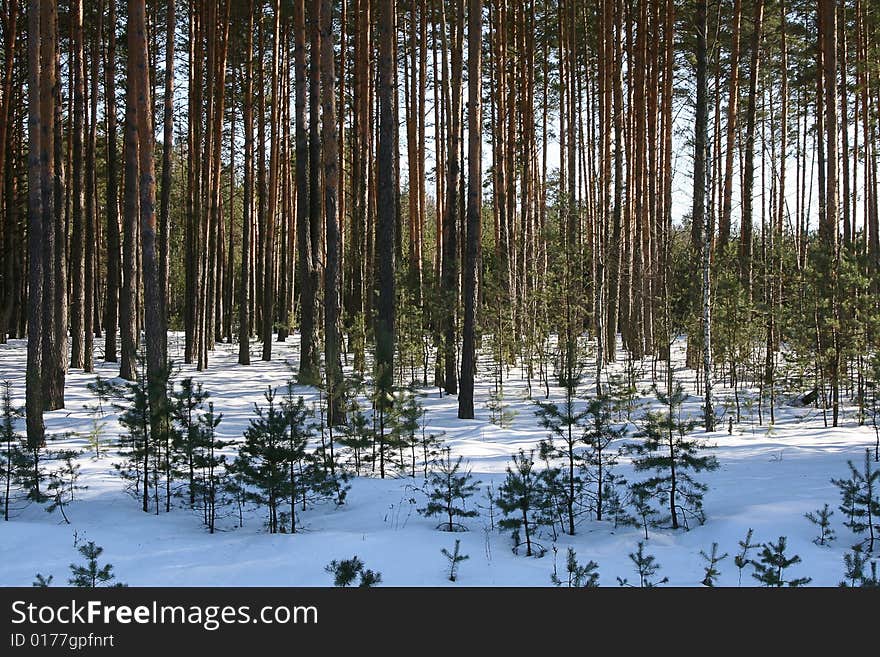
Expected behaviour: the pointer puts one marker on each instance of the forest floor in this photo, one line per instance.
(767, 480)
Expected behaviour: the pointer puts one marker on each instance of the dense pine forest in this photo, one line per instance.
(546, 209)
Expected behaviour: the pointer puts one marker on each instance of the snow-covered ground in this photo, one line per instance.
(767, 480)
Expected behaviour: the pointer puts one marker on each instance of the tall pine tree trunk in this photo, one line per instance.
(474, 207)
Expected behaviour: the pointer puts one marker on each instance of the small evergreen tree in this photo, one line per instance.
(91, 575)
(578, 576)
(640, 500)
(449, 487)
(64, 482)
(346, 571)
(615, 507)
(599, 433)
(134, 445)
(264, 458)
(500, 412)
(646, 567)
(711, 568)
(42, 582)
(455, 558)
(522, 499)
(856, 561)
(210, 464)
(672, 455)
(822, 519)
(358, 435)
(11, 454)
(104, 391)
(770, 568)
(742, 560)
(861, 500)
(186, 409)
(565, 425)
(430, 444)
(405, 424)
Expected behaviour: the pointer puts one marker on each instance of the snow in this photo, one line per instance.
(767, 480)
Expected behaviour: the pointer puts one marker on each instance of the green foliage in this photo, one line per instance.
(500, 412)
(133, 403)
(822, 519)
(186, 408)
(860, 502)
(741, 560)
(209, 464)
(771, 566)
(448, 489)
(91, 574)
(640, 500)
(711, 568)
(346, 571)
(599, 433)
(455, 557)
(672, 455)
(268, 458)
(64, 481)
(646, 567)
(405, 422)
(565, 425)
(856, 574)
(12, 454)
(523, 500)
(578, 575)
(104, 391)
(358, 434)
(42, 582)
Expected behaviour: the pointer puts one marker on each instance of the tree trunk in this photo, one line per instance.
(474, 208)
(37, 161)
(330, 143)
(111, 302)
(386, 183)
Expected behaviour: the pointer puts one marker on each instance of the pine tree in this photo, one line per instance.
(578, 576)
(822, 519)
(186, 409)
(405, 423)
(522, 499)
(856, 561)
(42, 582)
(264, 461)
(11, 454)
(315, 475)
(566, 428)
(741, 560)
(615, 507)
(104, 391)
(134, 447)
(711, 568)
(448, 489)
(64, 482)
(91, 575)
(455, 557)
(500, 412)
(671, 454)
(861, 500)
(770, 568)
(210, 463)
(640, 500)
(646, 567)
(599, 434)
(347, 570)
(358, 435)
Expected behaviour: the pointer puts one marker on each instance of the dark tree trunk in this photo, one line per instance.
(474, 207)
